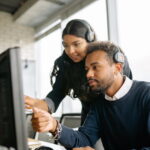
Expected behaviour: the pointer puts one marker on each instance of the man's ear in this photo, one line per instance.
(119, 67)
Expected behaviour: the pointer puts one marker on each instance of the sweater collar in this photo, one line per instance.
(122, 91)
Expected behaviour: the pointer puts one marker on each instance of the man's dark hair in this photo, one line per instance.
(110, 48)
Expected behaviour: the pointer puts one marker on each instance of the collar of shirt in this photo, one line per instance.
(122, 91)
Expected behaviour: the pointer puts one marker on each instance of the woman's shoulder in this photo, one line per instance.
(59, 62)
(62, 59)
(59, 59)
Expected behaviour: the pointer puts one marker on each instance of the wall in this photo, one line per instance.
(13, 34)
(134, 31)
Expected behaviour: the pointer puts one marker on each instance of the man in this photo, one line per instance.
(121, 119)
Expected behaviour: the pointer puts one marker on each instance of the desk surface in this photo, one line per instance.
(54, 146)
(35, 143)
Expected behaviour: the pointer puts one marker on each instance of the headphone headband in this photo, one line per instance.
(89, 35)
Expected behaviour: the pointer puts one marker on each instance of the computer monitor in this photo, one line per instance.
(13, 132)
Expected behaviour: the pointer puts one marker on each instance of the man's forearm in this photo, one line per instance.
(83, 148)
(144, 148)
(70, 138)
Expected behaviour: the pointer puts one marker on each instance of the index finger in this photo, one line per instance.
(29, 101)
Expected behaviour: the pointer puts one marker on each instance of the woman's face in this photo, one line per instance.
(75, 47)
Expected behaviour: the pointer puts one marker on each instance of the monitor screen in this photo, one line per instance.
(12, 117)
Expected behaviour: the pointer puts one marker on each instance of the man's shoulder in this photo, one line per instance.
(141, 84)
(141, 88)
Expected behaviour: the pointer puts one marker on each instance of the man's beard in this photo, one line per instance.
(98, 91)
(101, 87)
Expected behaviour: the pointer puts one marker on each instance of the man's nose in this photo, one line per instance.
(89, 74)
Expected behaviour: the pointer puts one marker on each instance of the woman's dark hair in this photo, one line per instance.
(80, 28)
(73, 73)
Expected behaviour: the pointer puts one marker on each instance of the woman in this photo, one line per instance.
(69, 70)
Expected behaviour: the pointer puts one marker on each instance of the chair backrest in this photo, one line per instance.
(72, 120)
(99, 145)
(31, 132)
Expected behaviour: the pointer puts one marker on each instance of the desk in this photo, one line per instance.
(32, 143)
(28, 111)
(36, 143)
(54, 146)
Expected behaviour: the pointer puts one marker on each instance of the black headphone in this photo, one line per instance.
(118, 56)
(89, 35)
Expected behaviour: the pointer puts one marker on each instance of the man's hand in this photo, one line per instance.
(83, 148)
(32, 102)
(42, 121)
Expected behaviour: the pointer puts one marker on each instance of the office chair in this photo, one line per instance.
(31, 132)
(71, 120)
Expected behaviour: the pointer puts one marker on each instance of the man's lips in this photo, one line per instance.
(91, 81)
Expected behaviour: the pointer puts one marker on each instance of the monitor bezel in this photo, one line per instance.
(17, 91)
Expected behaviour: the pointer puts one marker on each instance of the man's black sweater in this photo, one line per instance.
(122, 124)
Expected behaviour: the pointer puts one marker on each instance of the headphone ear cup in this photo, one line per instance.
(119, 57)
(90, 36)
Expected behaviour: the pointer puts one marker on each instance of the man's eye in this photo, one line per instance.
(94, 67)
(86, 69)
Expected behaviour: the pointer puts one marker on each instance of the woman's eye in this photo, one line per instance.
(65, 46)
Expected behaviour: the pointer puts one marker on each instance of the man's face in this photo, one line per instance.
(100, 72)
